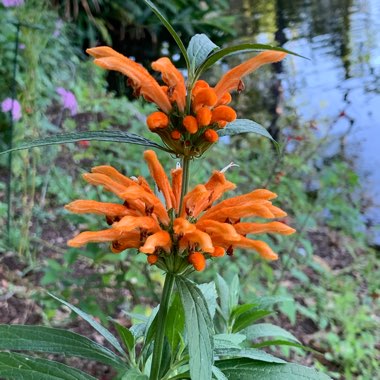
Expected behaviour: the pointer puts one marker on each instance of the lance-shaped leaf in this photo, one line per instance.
(241, 48)
(265, 330)
(113, 136)
(16, 367)
(244, 126)
(170, 29)
(248, 369)
(199, 329)
(58, 341)
(97, 326)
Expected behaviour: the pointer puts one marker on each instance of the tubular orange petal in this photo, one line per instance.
(260, 228)
(259, 246)
(223, 113)
(152, 259)
(218, 185)
(94, 237)
(157, 120)
(182, 226)
(233, 213)
(197, 260)
(218, 229)
(211, 136)
(276, 211)
(191, 124)
(222, 123)
(160, 239)
(159, 176)
(129, 240)
(142, 82)
(114, 175)
(129, 223)
(240, 200)
(204, 97)
(196, 239)
(199, 85)
(177, 186)
(231, 80)
(100, 208)
(144, 184)
(106, 182)
(174, 79)
(175, 135)
(225, 99)
(103, 51)
(196, 201)
(218, 252)
(204, 116)
(136, 194)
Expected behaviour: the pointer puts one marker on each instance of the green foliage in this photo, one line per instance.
(309, 187)
(15, 366)
(190, 345)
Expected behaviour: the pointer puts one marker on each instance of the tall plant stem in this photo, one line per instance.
(161, 326)
(185, 180)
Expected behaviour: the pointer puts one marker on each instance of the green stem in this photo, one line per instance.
(185, 180)
(161, 326)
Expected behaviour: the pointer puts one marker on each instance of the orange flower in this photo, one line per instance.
(187, 121)
(203, 230)
(231, 80)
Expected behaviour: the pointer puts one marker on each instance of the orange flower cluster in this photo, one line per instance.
(189, 117)
(190, 234)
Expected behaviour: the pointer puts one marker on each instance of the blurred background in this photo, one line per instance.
(324, 111)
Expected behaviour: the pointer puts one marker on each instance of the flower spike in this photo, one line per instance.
(189, 115)
(203, 230)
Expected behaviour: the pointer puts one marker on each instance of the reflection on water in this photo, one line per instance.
(342, 79)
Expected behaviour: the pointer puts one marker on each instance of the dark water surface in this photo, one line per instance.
(339, 88)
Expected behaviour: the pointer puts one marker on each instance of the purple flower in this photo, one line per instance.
(68, 99)
(12, 105)
(12, 3)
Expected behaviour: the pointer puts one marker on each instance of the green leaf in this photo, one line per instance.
(269, 301)
(151, 327)
(222, 341)
(279, 342)
(248, 369)
(251, 353)
(241, 48)
(98, 327)
(209, 293)
(134, 374)
(241, 309)
(16, 367)
(244, 126)
(224, 295)
(218, 374)
(114, 136)
(234, 292)
(246, 319)
(264, 330)
(126, 336)
(199, 329)
(200, 47)
(46, 339)
(138, 330)
(175, 323)
(171, 30)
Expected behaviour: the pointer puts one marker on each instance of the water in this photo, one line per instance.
(340, 85)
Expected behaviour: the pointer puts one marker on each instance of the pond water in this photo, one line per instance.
(339, 87)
